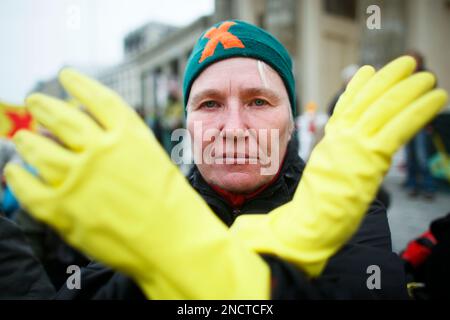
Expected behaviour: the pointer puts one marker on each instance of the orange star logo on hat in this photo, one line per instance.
(222, 35)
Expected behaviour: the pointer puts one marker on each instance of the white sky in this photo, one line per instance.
(38, 37)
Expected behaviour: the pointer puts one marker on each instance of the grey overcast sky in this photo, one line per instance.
(38, 37)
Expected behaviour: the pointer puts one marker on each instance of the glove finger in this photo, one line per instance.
(358, 81)
(394, 101)
(382, 81)
(73, 128)
(32, 194)
(104, 104)
(50, 159)
(404, 125)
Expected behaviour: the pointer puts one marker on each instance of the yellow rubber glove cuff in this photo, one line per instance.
(376, 115)
(113, 193)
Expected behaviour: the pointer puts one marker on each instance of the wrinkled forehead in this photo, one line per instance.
(237, 72)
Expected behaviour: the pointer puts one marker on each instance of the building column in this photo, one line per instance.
(280, 21)
(308, 57)
(223, 10)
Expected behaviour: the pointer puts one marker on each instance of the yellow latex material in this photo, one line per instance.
(377, 114)
(113, 193)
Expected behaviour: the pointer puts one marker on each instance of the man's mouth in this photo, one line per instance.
(237, 158)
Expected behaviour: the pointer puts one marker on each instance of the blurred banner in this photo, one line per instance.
(14, 118)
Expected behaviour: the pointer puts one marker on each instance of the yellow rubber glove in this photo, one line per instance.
(376, 115)
(113, 193)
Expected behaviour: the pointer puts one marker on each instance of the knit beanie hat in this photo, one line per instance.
(236, 38)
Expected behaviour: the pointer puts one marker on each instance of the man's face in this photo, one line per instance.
(244, 104)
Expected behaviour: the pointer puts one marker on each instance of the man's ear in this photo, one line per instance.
(291, 121)
(291, 126)
(291, 129)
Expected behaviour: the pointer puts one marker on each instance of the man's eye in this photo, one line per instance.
(209, 104)
(259, 102)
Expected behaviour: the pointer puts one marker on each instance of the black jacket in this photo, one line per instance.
(345, 276)
(21, 275)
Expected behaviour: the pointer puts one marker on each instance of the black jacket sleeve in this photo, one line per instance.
(21, 274)
(374, 230)
(349, 271)
(346, 276)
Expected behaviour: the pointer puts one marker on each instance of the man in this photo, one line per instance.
(286, 222)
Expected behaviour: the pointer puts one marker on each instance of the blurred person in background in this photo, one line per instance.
(346, 75)
(8, 153)
(172, 118)
(310, 127)
(427, 261)
(419, 180)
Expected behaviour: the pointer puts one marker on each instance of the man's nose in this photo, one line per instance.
(234, 122)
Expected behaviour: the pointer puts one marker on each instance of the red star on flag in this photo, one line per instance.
(18, 121)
